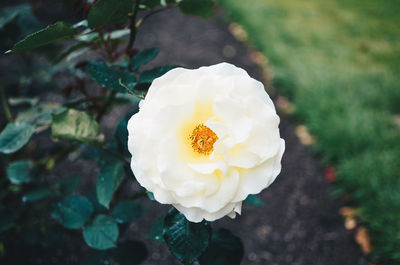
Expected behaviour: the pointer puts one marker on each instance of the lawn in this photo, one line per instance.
(339, 62)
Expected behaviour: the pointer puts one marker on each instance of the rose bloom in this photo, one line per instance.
(205, 139)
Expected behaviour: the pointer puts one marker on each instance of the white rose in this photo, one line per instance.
(205, 139)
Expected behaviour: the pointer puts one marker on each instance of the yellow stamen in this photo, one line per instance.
(203, 139)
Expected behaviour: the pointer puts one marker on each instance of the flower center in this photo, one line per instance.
(203, 139)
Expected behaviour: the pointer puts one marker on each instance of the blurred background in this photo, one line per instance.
(333, 70)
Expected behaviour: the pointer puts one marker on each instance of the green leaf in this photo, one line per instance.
(126, 211)
(76, 125)
(149, 75)
(149, 4)
(36, 195)
(52, 33)
(21, 172)
(121, 133)
(23, 17)
(15, 136)
(156, 231)
(108, 77)
(73, 212)
(224, 248)
(143, 57)
(107, 12)
(186, 240)
(110, 177)
(70, 50)
(150, 195)
(130, 253)
(102, 233)
(202, 8)
(38, 115)
(22, 100)
(68, 185)
(7, 16)
(254, 200)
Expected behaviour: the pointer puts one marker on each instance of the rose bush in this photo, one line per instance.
(205, 139)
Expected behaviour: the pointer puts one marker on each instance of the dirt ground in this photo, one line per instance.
(299, 224)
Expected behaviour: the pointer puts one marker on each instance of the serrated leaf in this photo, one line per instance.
(76, 125)
(108, 12)
(36, 195)
(50, 34)
(149, 75)
(156, 231)
(102, 233)
(73, 212)
(21, 172)
(186, 240)
(15, 136)
(126, 211)
(110, 177)
(202, 8)
(254, 200)
(107, 76)
(143, 57)
(224, 248)
(130, 253)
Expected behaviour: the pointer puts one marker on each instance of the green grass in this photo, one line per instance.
(339, 62)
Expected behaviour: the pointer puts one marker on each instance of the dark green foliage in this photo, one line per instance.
(254, 200)
(110, 177)
(76, 125)
(202, 8)
(15, 136)
(149, 75)
(36, 195)
(224, 248)
(39, 115)
(106, 12)
(126, 211)
(107, 76)
(22, 16)
(102, 233)
(186, 240)
(69, 185)
(74, 117)
(121, 133)
(150, 195)
(143, 57)
(50, 34)
(156, 231)
(150, 4)
(21, 172)
(73, 212)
